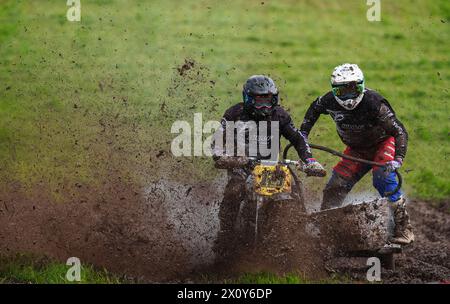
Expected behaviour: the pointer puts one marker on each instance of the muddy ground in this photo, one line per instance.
(165, 231)
(426, 260)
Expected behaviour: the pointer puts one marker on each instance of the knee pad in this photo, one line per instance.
(385, 183)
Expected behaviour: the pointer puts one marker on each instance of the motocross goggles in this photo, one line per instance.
(350, 90)
(261, 101)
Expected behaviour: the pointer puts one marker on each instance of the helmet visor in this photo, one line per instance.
(263, 101)
(349, 90)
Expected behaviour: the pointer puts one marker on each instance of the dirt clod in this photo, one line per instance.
(186, 66)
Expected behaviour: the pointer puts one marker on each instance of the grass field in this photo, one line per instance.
(270, 278)
(76, 97)
(28, 269)
(80, 101)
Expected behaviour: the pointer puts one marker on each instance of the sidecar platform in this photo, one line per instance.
(357, 230)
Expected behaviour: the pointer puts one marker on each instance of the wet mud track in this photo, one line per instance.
(427, 260)
(165, 231)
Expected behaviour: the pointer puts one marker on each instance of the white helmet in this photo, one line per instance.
(347, 82)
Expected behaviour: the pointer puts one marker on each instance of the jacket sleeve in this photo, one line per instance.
(218, 144)
(395, 128)
(295, 137)
(312, 115)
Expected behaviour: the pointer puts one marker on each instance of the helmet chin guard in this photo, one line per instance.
(351, 103)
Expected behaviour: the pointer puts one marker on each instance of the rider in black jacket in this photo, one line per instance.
(261, 121)
(368, 126)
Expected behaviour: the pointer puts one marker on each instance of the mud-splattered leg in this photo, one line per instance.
(228, 212)
(335, 191)
(345, 175)
(339, 186)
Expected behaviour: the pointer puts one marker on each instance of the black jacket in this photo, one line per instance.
(371, 122)
(286, 128)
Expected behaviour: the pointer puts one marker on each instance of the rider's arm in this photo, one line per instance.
(311, 116)
(291, 133)
(395, 128)
(218, 144)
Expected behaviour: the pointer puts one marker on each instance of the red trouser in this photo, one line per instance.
(347, 173)
(383, 152)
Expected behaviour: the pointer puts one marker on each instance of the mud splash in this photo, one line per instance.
(164, 232)
(192, 212)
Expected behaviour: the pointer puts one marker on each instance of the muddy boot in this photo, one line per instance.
(403, 233)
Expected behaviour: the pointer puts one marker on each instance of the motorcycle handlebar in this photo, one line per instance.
(283, 161)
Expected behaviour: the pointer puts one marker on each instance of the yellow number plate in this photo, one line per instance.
(271, 179)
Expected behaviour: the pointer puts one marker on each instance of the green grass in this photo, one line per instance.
(32, 269)
(270, 278)
(28, 269)
(81, 100)
(264, 277)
